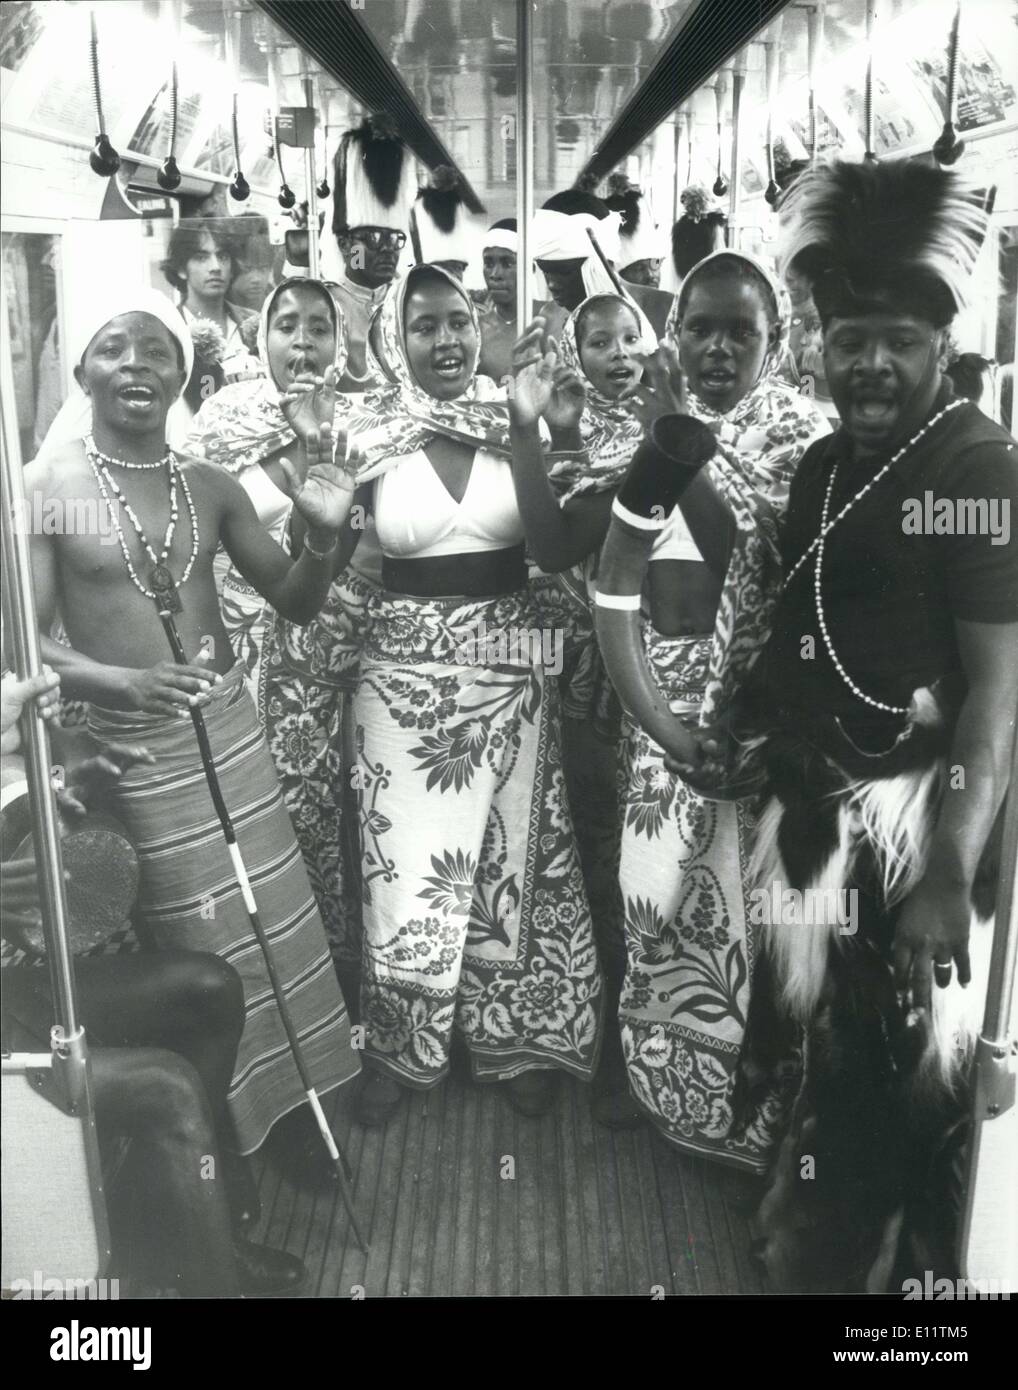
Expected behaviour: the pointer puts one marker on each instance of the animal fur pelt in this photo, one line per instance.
(880, 1117)
(900, 230)
(374, 183)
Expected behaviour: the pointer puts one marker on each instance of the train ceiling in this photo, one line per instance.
(607, 72)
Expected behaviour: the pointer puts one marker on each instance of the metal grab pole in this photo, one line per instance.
(23, 636)
(311, 186)
(989, 1228)
(524, 159)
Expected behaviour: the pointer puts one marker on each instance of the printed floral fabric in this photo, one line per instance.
(302, 679)
(475, 915)
(690, 948)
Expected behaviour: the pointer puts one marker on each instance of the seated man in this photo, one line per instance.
(123, 477)
(163, 1033)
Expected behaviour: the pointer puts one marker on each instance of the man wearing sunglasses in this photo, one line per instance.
(374, 189)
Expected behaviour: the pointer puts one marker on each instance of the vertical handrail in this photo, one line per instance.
(524, 157)
(310, 181)
(19, 606)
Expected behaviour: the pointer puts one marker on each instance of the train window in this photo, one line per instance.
(31, 273)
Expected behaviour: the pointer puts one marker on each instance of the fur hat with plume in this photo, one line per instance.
(374, 179)
(898, 236)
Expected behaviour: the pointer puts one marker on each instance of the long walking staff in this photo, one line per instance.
(168, 603)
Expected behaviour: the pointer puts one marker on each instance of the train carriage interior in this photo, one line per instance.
(127, 122)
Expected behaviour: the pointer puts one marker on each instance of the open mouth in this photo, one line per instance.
(621, 376)
(717, 379)
(137, 396)
(448, 366)
(874, 410)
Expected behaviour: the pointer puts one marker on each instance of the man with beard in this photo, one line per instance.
(880, 711)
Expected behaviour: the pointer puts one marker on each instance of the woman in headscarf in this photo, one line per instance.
(300, 677)
(598, 362)
(688, 924)
(475, 916)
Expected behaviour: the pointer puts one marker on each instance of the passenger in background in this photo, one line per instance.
(641, 240)
(254, 263)
(374, 187)
(570, 265)
(699, 231)
(475, 916)
(447, 235)
(496, 303)
(300, 676)
(199, 265)
(691, 946)
(803, 366)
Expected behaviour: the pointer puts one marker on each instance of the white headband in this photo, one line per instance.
(502, 239)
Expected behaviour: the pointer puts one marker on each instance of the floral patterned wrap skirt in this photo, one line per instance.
(690, 942)
(475, 915)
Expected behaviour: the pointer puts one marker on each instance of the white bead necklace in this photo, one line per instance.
(109, 462)
(819, 541)
(159, 573)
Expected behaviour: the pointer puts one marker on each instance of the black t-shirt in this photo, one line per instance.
(890, 589)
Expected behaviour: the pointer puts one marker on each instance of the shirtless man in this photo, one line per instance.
(169, 515)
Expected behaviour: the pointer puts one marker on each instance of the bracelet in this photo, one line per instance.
(320, 554)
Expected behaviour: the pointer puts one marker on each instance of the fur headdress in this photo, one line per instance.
(640, 237)
(445, 229)
(374, 179)
(876, 236)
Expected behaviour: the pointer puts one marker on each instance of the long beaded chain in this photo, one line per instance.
(107, 484)
(819, 542)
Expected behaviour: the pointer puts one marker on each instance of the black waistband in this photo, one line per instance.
(476, 574)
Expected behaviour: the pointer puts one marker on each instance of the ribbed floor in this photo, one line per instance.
(459, 1195)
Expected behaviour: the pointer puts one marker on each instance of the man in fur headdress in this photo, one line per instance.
(882, 708)
(442, 228)
(641, 241)
(374, 185)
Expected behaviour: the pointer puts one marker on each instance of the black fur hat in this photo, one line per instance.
(898, 235)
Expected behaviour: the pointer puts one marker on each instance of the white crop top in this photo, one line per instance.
(417, 516)
(675, 541)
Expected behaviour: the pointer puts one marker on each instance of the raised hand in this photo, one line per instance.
(663, 388)
(531, 393)
(309, 402)
(534, 342)
(567, 399)
(325, 493)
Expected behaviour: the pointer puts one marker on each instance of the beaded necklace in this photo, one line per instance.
(819, 541)
(159, 576)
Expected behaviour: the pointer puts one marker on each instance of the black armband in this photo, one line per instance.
(665, 464)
